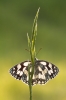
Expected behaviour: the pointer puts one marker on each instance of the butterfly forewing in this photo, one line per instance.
(43, 71)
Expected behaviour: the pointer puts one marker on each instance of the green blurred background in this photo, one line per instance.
(16, 18)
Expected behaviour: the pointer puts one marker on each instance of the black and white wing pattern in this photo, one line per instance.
(20, 71)
(43, 71)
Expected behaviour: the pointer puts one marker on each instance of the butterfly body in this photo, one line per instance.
(43, 71)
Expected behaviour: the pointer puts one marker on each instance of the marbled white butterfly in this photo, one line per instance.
(43, 71)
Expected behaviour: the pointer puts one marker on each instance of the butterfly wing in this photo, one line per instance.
(20, 71)
(44, 71)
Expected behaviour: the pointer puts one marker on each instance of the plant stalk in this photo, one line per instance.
(31, 44)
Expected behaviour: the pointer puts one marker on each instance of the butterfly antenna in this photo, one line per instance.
(39, 51)
(27, 50)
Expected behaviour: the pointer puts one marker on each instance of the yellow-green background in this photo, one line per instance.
(16, 18)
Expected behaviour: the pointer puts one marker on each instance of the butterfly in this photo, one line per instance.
(43, 71)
